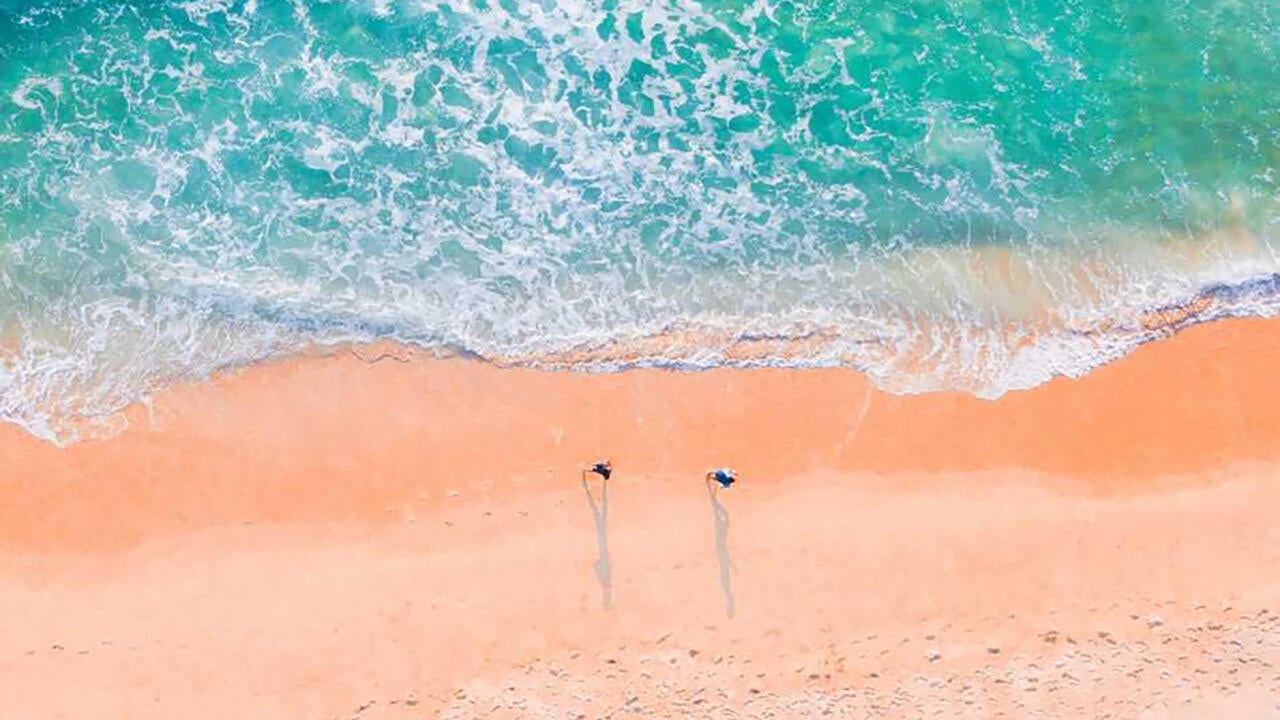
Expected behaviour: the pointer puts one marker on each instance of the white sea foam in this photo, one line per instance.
(27, 93)
(987, 322)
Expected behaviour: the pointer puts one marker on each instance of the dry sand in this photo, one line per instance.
(331, 537)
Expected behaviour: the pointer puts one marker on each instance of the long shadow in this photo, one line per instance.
(722, 547)
(603, 566)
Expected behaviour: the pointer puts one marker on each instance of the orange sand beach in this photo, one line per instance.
(344, 536)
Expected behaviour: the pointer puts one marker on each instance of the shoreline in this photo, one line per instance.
(333, 438)
(922, 356)
(327, 537)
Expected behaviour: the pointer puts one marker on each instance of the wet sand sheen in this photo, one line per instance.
(304, 537)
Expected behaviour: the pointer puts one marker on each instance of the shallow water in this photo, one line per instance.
(945, 194)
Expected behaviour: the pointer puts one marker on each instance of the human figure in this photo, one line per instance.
(724, 477)
(600, 513)
(717, 480)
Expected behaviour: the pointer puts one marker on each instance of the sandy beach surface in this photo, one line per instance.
(377, 534)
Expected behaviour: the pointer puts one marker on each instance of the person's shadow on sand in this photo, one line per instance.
(604, 566)
(722, 547)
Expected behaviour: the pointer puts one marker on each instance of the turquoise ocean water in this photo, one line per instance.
(946, 194)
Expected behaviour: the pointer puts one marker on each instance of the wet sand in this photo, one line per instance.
(343, 537)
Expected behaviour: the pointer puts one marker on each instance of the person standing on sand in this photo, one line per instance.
(600, 513)
(716, 481)
(604, 469)
(724, 477)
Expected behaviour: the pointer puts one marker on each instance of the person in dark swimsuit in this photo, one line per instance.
(604, 469)
(724, 477)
